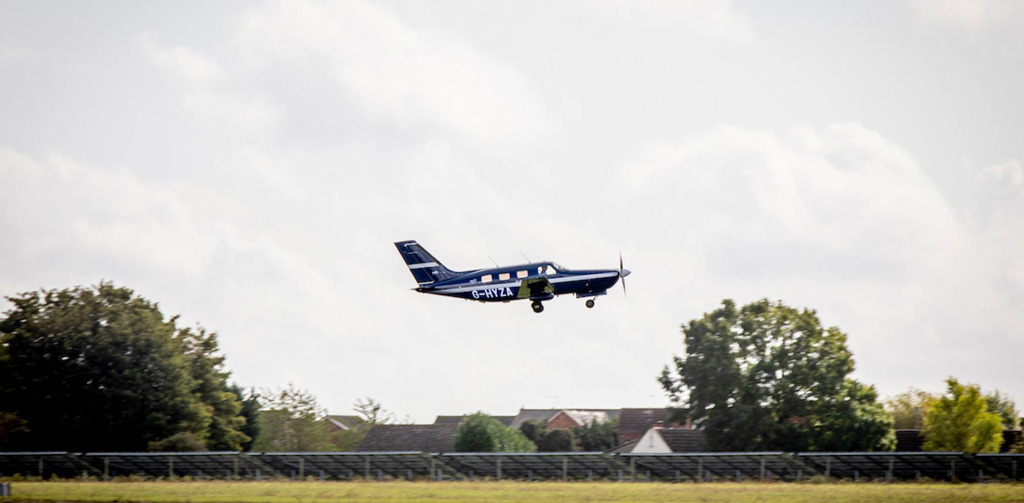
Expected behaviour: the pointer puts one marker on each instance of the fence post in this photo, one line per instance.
(499, 467)
(366, 468)
(700, 469)
(106, 468)
(762, 469)
(565, 469)
(892, 469)
(952, 470)
(236, 465)
(632, 469)
(170, 467)
(40, 467)
(828, 468)
(302, 468)
(433, 468)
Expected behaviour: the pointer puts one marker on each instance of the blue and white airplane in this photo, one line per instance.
(536, 281)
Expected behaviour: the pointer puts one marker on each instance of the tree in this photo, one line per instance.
(251, 412)
(960, 421)
(480, 432)
(373, 412)
(93, 369)
(769, 377)
(597, 435)
(1002, 404)
(291, 421)
(557, 441)
(533, 430)
(222, 404)
(910, 408)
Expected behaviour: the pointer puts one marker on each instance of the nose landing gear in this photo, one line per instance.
(537, 306)
(590, 303)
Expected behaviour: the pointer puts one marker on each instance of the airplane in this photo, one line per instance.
(536, 281)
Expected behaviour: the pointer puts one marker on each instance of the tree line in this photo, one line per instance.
(768, 377)
(102, 369)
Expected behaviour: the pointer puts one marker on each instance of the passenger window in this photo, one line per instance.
(504, 276)
(486, 278)
(522, 274)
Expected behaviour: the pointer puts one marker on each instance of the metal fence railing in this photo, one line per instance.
(696, 467)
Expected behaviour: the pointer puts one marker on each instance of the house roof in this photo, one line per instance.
(633, 423)
(587, 416)
(581, 416)
(345, 422)
(410, 437)
(505, 420)
(542, 415)
(682, 439)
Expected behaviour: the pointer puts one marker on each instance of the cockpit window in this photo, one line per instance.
(549, 270)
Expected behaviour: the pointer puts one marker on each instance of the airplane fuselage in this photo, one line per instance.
(487, 285)
(536, 281)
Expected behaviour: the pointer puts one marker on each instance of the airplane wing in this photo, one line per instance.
(536, 287)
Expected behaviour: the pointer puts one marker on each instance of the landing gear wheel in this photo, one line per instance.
(590, 303)
(537, 306)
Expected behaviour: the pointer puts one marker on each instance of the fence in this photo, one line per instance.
(580, 466)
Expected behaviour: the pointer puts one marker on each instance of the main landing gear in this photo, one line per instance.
(590, 303)
(537, 306)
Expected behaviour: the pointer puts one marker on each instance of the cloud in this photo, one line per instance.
(970, 14)
(839, 219)
(391, 72)
(715, 19)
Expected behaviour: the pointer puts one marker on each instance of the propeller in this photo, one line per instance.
(622, 274)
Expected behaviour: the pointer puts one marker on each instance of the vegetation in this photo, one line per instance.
(506, 491)
(769, 377)
(1003, 406)
(480, 432)
(100, 368)
(291, 421)
(597, 435)
(910, 408)
(960, 421)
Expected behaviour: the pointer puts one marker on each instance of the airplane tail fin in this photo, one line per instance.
(423, 266)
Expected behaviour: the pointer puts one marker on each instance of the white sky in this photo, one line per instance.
(249, 165)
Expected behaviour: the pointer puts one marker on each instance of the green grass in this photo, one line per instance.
(433, 492)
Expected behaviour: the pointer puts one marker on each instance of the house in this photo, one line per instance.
(665, 440)
(634, 423)
(410, 437)
(505, 420)
(563, 419)
(344, 423)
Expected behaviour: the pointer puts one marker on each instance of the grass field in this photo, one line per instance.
(316, 492)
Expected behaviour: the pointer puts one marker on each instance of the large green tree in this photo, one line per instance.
(769, 377)
(101, 369)
(480, 432)
(960, 421)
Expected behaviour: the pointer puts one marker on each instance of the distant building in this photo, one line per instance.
(505, 420)
(665, 440)
(344, 423)
(563, 419)
(634, 423)
(410, 437)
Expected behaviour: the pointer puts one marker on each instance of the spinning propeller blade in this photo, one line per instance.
(622, 274)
